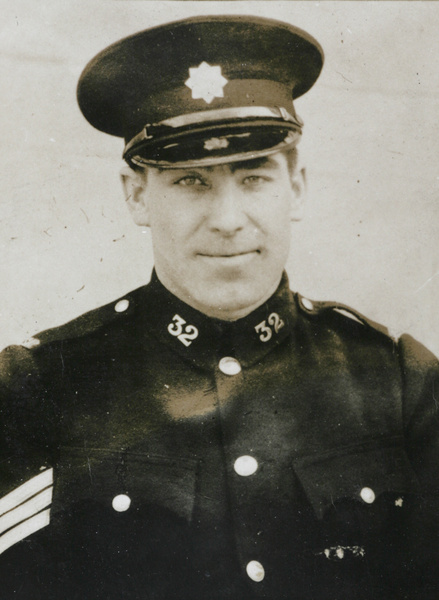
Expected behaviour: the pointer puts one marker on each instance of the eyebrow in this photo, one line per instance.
(254, 163)
(241, 165)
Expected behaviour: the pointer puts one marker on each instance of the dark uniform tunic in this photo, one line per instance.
(291, 454)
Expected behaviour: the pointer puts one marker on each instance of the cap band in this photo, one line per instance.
(237, 93)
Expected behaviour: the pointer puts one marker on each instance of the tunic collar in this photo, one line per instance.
(203, 340)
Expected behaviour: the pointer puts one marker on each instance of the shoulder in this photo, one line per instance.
(357, 330)
(117, 311)
(21, 363)
(341, 316)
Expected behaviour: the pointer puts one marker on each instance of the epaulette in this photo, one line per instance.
(87, 323)
(314, 307)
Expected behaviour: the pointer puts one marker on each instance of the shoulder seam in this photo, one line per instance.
(313, 307)
(88, 322)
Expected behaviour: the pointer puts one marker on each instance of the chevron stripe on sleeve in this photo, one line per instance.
(26, 509)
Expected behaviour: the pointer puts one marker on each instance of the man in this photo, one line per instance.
(213, 435)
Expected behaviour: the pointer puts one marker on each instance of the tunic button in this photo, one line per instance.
(245, 465)
(122, 305)
(255, 571)
(229, 366)
(367, 495)
(307, 304)
(121, 503)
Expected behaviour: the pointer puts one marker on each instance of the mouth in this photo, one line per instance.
(226, 261)
(231, 255)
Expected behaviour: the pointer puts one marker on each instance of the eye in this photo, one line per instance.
(255, 179)
(190, 181)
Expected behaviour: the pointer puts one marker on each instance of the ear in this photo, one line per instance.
(298, 188)
(134, 187)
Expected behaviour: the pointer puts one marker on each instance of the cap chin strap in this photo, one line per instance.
(191, 120)
(223, 114)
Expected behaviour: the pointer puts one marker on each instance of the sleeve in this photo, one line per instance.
(420, 372)
(26, 477)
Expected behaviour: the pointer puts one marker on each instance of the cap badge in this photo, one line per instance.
(206, 82)
(216, 143)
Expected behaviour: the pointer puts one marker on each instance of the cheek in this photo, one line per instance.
(277, 219)
(171, 230)
(162, 234)
(159, 228)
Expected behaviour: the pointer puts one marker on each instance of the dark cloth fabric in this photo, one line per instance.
(134, 403)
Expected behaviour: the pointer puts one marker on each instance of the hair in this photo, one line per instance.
(292, 155)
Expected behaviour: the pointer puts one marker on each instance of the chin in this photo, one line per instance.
(230, 299)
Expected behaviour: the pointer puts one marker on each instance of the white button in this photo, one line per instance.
(307, 304)
(245, 465)
(255, 570)
(229, 366)
(121, 503)
(368, 495)
(122, 305)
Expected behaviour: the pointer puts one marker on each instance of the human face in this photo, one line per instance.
(220, 234)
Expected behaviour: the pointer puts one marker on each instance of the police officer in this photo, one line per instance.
(213, 435)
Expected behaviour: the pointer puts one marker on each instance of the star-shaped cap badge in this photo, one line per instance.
(206, 82)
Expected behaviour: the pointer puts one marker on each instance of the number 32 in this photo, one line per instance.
(176, 329)
(266, 332)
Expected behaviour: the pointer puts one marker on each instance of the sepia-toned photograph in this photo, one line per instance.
(219, 235)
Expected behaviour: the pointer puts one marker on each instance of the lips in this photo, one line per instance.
(228, 254)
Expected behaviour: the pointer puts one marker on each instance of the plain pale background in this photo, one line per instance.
(370, 144)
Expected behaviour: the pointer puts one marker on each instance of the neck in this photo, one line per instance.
(233, 314)
(218, 312)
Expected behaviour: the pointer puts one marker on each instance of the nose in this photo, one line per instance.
(227, 214)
